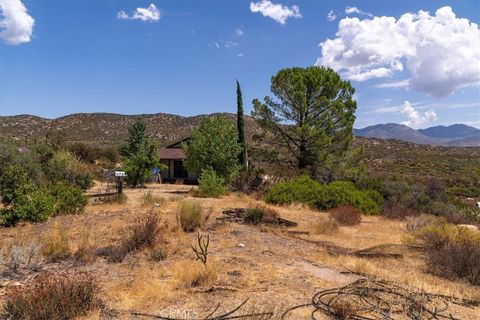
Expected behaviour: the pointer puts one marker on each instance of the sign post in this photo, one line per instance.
(118, 180)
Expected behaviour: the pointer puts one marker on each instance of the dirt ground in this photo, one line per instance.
(271, 267)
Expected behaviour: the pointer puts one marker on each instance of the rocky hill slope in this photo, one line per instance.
(101, 128)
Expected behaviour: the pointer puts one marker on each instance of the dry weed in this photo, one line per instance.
(56, 244)
(191, 274)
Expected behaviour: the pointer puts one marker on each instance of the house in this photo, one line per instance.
(172, 156)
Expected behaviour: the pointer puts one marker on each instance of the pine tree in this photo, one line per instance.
(318, 107)
(241, 128)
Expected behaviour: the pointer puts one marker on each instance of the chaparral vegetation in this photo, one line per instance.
(288, 204)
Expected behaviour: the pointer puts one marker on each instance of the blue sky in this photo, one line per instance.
(183, 56)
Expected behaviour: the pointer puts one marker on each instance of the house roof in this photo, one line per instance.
(178, 143)
(171, 153)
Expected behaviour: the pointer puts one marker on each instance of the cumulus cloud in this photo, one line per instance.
(151, 13)
(416, 118)
(239, 32)
(441, 52)
(350, 10)
(331, 16)
(16, 25)
(277, 12)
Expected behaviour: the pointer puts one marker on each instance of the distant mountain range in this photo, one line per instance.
(111, 129)
(458, 135)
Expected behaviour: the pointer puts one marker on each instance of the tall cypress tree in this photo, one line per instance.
(241, 128)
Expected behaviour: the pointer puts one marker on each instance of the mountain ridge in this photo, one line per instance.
(111, 128)
(454, 135)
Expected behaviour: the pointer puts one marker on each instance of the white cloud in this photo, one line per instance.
(415, 118)
(151, 13)
(383, 110)
(16, 25)
(441, 52)
(240, 55)
(396, 84)
(122, 15)
(350, 10)
(225, 44)
(239, 32)
(331, 16)
(277, 12)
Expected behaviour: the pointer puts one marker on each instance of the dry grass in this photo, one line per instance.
(414, 223)
(192, 274)
(145, 288)
(192, 215)
(147, 232)
(56, 244)
(84, 251)
(329, 226)
(346, 215)
(149, 200)
(265, 267)
(52, 296)
(412, 274)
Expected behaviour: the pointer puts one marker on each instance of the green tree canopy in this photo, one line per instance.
(138, 154)
(214, 144)
(311, 121)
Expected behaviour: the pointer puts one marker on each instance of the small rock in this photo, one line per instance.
(241, 245)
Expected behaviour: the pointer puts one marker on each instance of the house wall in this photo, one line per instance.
(169, 173)
(164, 173)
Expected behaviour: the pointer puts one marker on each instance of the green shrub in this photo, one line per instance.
(65, 167)
(14, 183)
(299, 190)
(261, 214)
(319, 196)
(342, 193)
(69, 199)
(210, 184)
(35, 207)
